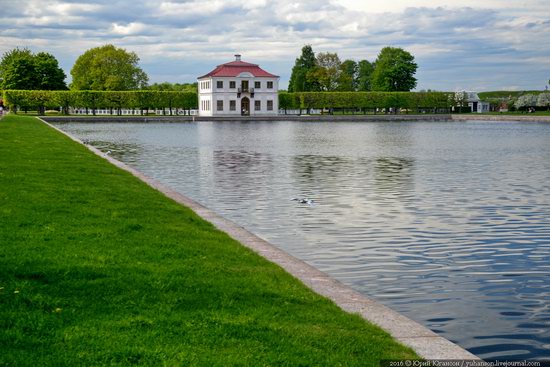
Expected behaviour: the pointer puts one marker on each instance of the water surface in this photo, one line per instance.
(448, 223)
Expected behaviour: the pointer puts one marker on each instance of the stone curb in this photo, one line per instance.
(312, 118)
(425, 342)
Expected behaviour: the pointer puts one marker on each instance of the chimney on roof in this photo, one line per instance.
(237, 57)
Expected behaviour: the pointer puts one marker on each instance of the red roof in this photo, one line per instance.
(234, 68)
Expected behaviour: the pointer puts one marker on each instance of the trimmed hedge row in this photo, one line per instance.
(146, 99)
(93, 100)
(410, 101)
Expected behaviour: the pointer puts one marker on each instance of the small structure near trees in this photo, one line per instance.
(476, 104)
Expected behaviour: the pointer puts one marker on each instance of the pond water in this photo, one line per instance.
(447, 223)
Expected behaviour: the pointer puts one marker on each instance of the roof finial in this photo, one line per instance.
(237, 57)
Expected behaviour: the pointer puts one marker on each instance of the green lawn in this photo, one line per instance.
(96, 268)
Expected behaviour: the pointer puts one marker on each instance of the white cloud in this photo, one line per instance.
(68, 8)
(395, 6)
(192, 8)
(128, 29)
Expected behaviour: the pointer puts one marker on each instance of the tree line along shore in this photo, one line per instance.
(112, 68)
(62, 101)
(109, 77)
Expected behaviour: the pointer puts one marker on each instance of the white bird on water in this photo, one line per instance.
(304, 201)
(108, 152)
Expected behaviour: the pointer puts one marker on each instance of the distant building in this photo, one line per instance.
(476, 104)
(238, 88)
(503, 107)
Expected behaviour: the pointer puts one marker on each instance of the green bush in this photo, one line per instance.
(169, 100)
(93, 100)
(408, 101)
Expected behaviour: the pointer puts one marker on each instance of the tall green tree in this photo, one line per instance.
(17, 69)
(327, 73)
(304, 64)
(349, 78)
(108, 68)
(394, 70)
(50, 75)
(21, 69)
(364, 75)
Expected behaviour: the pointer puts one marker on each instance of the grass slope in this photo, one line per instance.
(96, 268)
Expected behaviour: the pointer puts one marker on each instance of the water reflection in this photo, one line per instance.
(241, 162)
(394, 175)
(448, 223)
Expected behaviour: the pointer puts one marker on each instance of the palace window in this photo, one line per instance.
(219, 84)
(257, 105)
(219, 105)
(269, 85)
(232, 105)
(257, 85)
(232, 84)
(270, 105)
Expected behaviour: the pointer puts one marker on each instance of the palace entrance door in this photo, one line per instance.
(245, 106)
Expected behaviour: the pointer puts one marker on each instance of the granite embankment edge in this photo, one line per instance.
(312, 118)
(425, 342)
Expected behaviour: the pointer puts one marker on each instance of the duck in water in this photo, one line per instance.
(303, 201)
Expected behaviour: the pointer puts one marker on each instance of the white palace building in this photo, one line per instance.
(238, 88)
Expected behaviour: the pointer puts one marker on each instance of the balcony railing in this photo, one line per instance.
(245, 90)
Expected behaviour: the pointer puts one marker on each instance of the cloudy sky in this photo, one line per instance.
(458, 44)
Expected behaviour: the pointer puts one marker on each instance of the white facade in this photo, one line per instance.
(242, 94)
